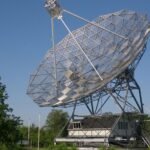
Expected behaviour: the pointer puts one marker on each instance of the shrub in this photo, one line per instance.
(3, 147)
(62, 146)
(103, 147)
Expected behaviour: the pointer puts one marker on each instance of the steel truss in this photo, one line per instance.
(124, 91)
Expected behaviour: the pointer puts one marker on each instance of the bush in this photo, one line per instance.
(14, 147)
(73, 147)
(102, 147)
(3, 147)
(112, 148)
(62, 146)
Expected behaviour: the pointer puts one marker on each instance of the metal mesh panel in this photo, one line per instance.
(109, 53)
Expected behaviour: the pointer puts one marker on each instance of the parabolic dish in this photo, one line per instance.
(73, 77)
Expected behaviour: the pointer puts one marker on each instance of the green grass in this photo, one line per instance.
(48, 149)
(40, 149)
(35, 149)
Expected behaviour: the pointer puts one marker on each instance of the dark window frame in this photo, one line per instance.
(76, 125)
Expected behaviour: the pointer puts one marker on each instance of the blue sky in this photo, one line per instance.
(25, 37)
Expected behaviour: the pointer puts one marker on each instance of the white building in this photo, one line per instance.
(95, 130)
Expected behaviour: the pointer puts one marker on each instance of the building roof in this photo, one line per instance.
(106, 121)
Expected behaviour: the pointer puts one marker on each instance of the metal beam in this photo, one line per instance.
(81, 48)
(95, 24)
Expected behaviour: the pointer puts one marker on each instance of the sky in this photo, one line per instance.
(25, 37)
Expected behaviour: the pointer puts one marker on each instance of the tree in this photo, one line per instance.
(24, 134)
(44, 137)
(56, 120)
(33, 135)
(9, 132)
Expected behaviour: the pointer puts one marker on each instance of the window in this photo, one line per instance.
(123, 125)
(76, 125)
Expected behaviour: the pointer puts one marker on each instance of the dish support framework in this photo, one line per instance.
(119, 89)
(123, 90)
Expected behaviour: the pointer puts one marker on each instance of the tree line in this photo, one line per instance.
(13, 133)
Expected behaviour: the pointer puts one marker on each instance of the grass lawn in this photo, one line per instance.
(35, 149)
(40, 149)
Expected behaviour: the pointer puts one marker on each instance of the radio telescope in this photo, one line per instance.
(97, 59)
(93, 63)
